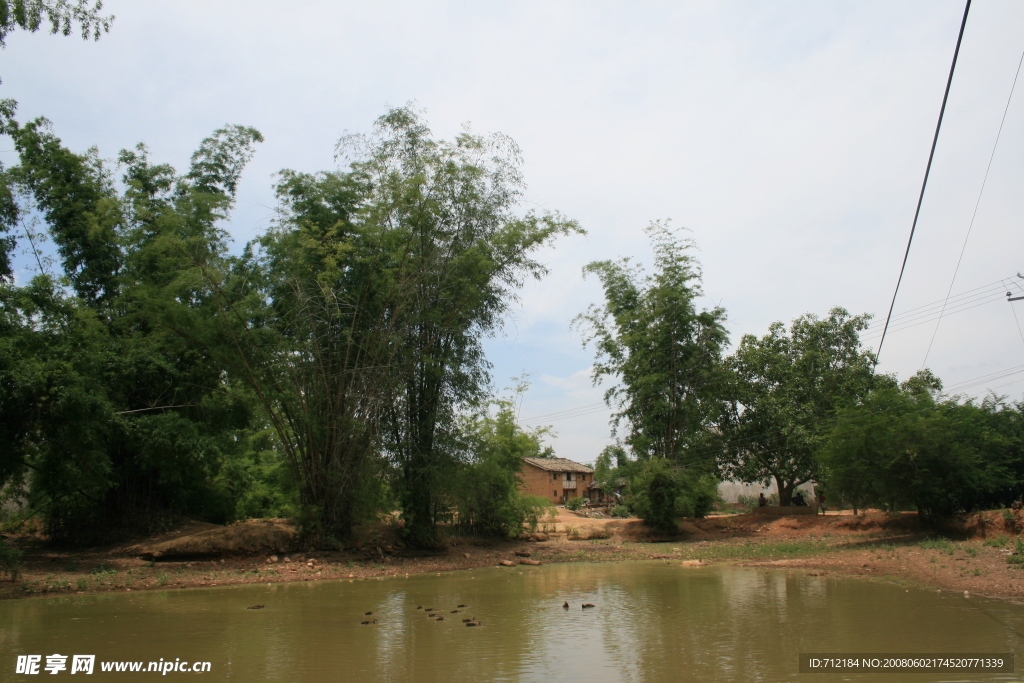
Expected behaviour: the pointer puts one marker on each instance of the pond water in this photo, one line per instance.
(650, 622)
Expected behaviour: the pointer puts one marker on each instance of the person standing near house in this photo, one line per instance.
(762, 501)
(821, 500)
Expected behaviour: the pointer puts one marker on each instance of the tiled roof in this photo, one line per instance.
(558, 465)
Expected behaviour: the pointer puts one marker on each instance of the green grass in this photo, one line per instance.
(943, 544)
(998, 542)
(82, 584)
(104, 569)
(162, 579)
(755, 551)
(56, 583)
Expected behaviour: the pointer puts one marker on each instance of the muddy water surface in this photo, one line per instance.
(650, 622)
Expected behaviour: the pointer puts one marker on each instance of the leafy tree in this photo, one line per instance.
(301, 320)
(903, 446)
(664, 352)
(661, 493)
(487, 495)
(613, 468)
(355, 321)
(113, 419)
(452, 205)
(786, 385)
(62, 15)
(611, 464)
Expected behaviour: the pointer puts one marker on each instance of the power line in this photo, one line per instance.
(1014, 311)
(927, 170)
(929, 317)
(976, 205)
(578, 411)
(998, 286)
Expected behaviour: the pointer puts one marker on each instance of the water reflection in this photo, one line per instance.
(653, 622)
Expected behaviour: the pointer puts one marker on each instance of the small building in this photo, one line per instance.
(556, 479)
(608, 495)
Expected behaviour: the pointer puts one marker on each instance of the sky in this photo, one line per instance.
(789, 137)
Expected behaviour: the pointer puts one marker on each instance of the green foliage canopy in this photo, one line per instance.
(904, 447)
(665, 353)
(62, 16)
(786, 385)
(356, 320)
(661, 493)
(488, 499)
(112, 420)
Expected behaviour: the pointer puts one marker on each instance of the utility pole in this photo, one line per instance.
(1015, 298)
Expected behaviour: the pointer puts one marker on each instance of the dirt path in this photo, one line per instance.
(874, 545)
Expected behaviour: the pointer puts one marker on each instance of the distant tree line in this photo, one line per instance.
(794, 406)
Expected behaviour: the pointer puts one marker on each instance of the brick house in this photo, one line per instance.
(555, 479)
(610, 495)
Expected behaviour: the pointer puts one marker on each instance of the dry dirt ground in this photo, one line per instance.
(972, 555)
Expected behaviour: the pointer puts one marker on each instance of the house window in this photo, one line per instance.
(554, 494)
(554, 476)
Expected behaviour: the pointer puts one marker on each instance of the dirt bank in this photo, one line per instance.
(972, 556)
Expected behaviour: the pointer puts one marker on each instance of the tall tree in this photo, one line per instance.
(664, 353)
(786, 386)
(906, 446)
(357, 319)
(454, 204)
(117, 419)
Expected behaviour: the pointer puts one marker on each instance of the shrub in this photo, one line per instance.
(10, 560)
(574, 504)
(655, 494)
(749, 502)
(663, 493)
(619, 511)
(485, 487)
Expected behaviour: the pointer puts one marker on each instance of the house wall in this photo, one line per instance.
(537, 482)
(732, 490)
